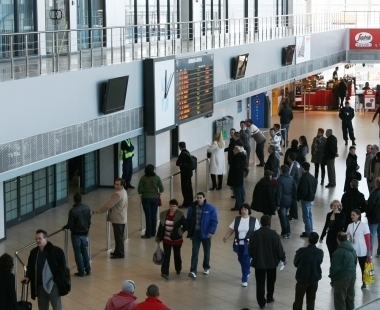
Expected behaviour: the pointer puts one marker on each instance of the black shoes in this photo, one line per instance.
(329, 185)
(260, 165)
(346, 142)
(130, 186)
(117, 256)
(77, 274)
(322, 182)
(353, 143)
(304, 235)
(269, 301)
(145, 237)
(165, 276)
(213, 188)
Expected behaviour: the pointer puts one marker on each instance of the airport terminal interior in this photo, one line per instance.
(58, 59)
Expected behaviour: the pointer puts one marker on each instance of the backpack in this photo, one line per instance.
(193, 160)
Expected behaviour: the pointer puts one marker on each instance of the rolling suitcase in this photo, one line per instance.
(23, 304)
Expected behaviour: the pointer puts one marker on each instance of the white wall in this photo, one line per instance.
(106, 169)
(199, 133)
(115, 17)
(158, 149)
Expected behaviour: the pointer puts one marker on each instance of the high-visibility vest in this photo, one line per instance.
(125, 154)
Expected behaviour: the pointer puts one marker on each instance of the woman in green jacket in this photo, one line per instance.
(150, 187)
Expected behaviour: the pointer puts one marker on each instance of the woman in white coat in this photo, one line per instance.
(217, 161)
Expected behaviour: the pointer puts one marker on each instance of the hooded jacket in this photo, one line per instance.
(121, 301)
(209, 219)
(343, 263)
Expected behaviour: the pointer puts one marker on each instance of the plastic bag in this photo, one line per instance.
(158, 255)
(369, 273)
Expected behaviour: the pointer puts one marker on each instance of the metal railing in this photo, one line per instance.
(44, 52)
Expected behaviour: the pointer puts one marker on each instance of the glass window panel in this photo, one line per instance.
(36, 194)
(7, 186)
(23, 191)
(6, 26)
(13, 204)
(29, 207)
(7, 196)
(23, 210)
(13, 195)
(8, 216)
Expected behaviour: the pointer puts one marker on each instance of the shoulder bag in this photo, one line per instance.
(156, 190)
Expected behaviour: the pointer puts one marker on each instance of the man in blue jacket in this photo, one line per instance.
(203, 220)
(284, 193)
(308, 262)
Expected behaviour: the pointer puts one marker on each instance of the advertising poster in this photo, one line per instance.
(364, 39)
(302, 49)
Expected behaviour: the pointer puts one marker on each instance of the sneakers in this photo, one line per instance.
(206, 272)
(192, 275)
(244, 284)
(165, 276)
(284, 236)
(289, 235)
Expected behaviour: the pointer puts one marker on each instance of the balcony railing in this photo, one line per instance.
(45, 52)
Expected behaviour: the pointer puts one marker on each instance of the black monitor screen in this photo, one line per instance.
(240, 66)
(287, 55)
(114, 94)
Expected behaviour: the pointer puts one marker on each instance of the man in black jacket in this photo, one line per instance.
(185, 166)
(306, 193)
(308, 262)
(231, 145)
(373, 215)
(264, 197)
(46, 272)
(286, 116)
(331, 151)
(79, 223)
(266, 251)
(272, 162)
(352, 199)
(296, 173)
(346, 114)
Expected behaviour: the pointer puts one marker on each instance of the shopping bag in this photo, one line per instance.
(369, 273)
(158, 255)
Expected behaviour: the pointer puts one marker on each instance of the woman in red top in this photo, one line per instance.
(172, 225)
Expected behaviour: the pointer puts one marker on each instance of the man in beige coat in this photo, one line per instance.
(117, 215)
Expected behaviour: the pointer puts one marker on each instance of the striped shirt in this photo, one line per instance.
(169, 225)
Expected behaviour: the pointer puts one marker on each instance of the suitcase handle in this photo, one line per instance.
(24, 297)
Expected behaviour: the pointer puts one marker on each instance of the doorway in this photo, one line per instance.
(57, 18)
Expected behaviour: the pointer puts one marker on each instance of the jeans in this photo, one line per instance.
(187, 189)
(118, 233)
(344, 293)
(285, 133)
(310, 290)
(206, 243)
(150, 206)
(245, 263)
(239, 193)
(347, 126)
(80, 244)
(330, 163)
(284, 220)
(127, 171)
(375, 228)
(307, 216)
(260, 152)
(262, 275)
(43, 298)
(177, 258)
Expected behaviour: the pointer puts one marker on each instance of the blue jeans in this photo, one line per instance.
(284, 220)
(80, 244)
(307, 216)
(239, 193)
(375, 228)
(206, 243)
(150, 206)
(245, 263)
(285, 133)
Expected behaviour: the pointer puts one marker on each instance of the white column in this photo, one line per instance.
(2, 212)
(73, 9)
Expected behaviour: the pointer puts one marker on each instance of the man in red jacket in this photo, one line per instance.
(152, 302)
(124, 299)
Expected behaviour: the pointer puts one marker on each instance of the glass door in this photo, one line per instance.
(57, 18)
(90, 172)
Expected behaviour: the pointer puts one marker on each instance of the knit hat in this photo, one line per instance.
(128, 286)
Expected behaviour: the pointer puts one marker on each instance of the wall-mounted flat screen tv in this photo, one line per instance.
(114, 94)
(287, 55)
(239, 66)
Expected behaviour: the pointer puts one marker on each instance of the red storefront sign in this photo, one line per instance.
(365, 39)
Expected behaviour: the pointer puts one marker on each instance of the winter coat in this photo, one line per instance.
(308, 262)
(8, 299)
(209, 219)
(272, 164)
(331, 148)
(152, 303)
(179, 226)
(266, 249)
(263, 198)
(284, 190)
(236, 172)
(351, 164)
(121, 301)
(184, 163)
(230, 150)
(117, 207)
(367, 165)
(286, 115)
(346, 114)
(352, 199)
(57, 264)
(373, 209)
(150, 186)
(307, 187)
(376, 172)
(318, 150)
(343, 263)
(217, 160)
(342, 89)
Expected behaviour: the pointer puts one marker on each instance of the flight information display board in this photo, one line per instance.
(194, 87)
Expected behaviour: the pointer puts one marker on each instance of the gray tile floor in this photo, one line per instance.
(221, 289)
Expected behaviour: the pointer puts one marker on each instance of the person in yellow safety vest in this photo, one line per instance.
(126, 154)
